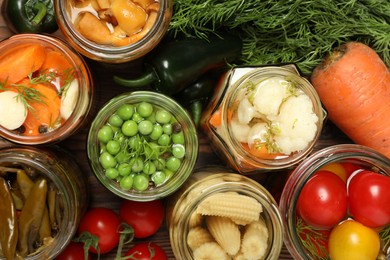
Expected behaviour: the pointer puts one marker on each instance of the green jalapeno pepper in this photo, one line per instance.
(31, 217)
(173, 66)
(30, 16)
(8, 221)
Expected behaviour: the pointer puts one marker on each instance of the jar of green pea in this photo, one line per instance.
(142, 145)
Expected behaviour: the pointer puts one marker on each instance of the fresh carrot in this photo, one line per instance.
(354, 86)
(45, 113)
(20, 61)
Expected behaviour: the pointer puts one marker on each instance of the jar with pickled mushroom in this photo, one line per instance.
(43, 198)
(263, 118)
(113, 31)
(223, 215)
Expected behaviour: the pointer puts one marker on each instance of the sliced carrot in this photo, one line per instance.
(56, 62)
(354, 85)
(216, 118)
(18, 62)
(261, 151)
(46, 113)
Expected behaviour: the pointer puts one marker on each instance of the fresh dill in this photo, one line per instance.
(285, 31)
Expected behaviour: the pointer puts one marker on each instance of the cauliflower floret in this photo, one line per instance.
(245, 111)
(269, 96)
(297, 124)
(240, 131)
(257, 134)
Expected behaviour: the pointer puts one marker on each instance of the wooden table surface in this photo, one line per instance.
(105, 89)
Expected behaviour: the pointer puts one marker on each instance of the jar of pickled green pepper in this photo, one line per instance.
(142, 145)
(43, 198)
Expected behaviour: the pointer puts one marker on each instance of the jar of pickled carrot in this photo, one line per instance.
(263, 118)
(44, 195)
(46, 89)
(113, 31)
(223, 215)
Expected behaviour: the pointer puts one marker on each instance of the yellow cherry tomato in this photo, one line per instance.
(351, 240)
(336, 168)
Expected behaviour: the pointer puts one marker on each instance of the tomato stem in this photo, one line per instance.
(126, 236)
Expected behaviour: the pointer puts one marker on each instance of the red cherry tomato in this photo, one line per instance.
(147, 251)
(350, 167)
(103, 223)
(322, 202)
(369, 198)
(74, 251)
(145, 217)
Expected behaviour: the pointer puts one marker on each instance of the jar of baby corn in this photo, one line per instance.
(224, 215)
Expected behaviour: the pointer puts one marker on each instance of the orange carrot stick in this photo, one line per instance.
(45, 113)
(354, 86)
(55, 62)
(18, 62)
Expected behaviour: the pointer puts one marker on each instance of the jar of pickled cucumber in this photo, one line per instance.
(142, 145)
(44, 195)
(223, 214)
(263, 118)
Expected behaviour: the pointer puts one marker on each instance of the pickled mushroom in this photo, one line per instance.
(115, 22)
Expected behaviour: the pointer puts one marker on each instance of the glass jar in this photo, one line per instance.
(66, 186)
(74, 80)
(365, 157)
(223, 120)
(176, 178)
(104, 51)
(207, 182)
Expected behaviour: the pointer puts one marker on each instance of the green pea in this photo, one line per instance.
(105, 134)
(130, 128)
(121, 157)
(145, 127)
(124, 169)
(178, 138)
(156, 132)
(152, 118)
(163, 116)
(137, 118)
(178, 150)
(164, 140)
(136, 164)
(125, 111)
(115, 120)
(113, 147)
(152, 151)
(167, 129)
(145, 109)
(112, 173)
(135, 143)
(173, 163)
(107, 160)
(126, 182)
(160, 163)
(168, 174)
(149, 168)
(158, 177)
(141, 182)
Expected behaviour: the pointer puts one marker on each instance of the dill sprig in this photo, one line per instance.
(285, 31)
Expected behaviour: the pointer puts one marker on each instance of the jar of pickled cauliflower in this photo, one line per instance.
(43, 197)
(263, 118)
(46, 89)
(113, 31)
(221, 214)
(335, 205)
